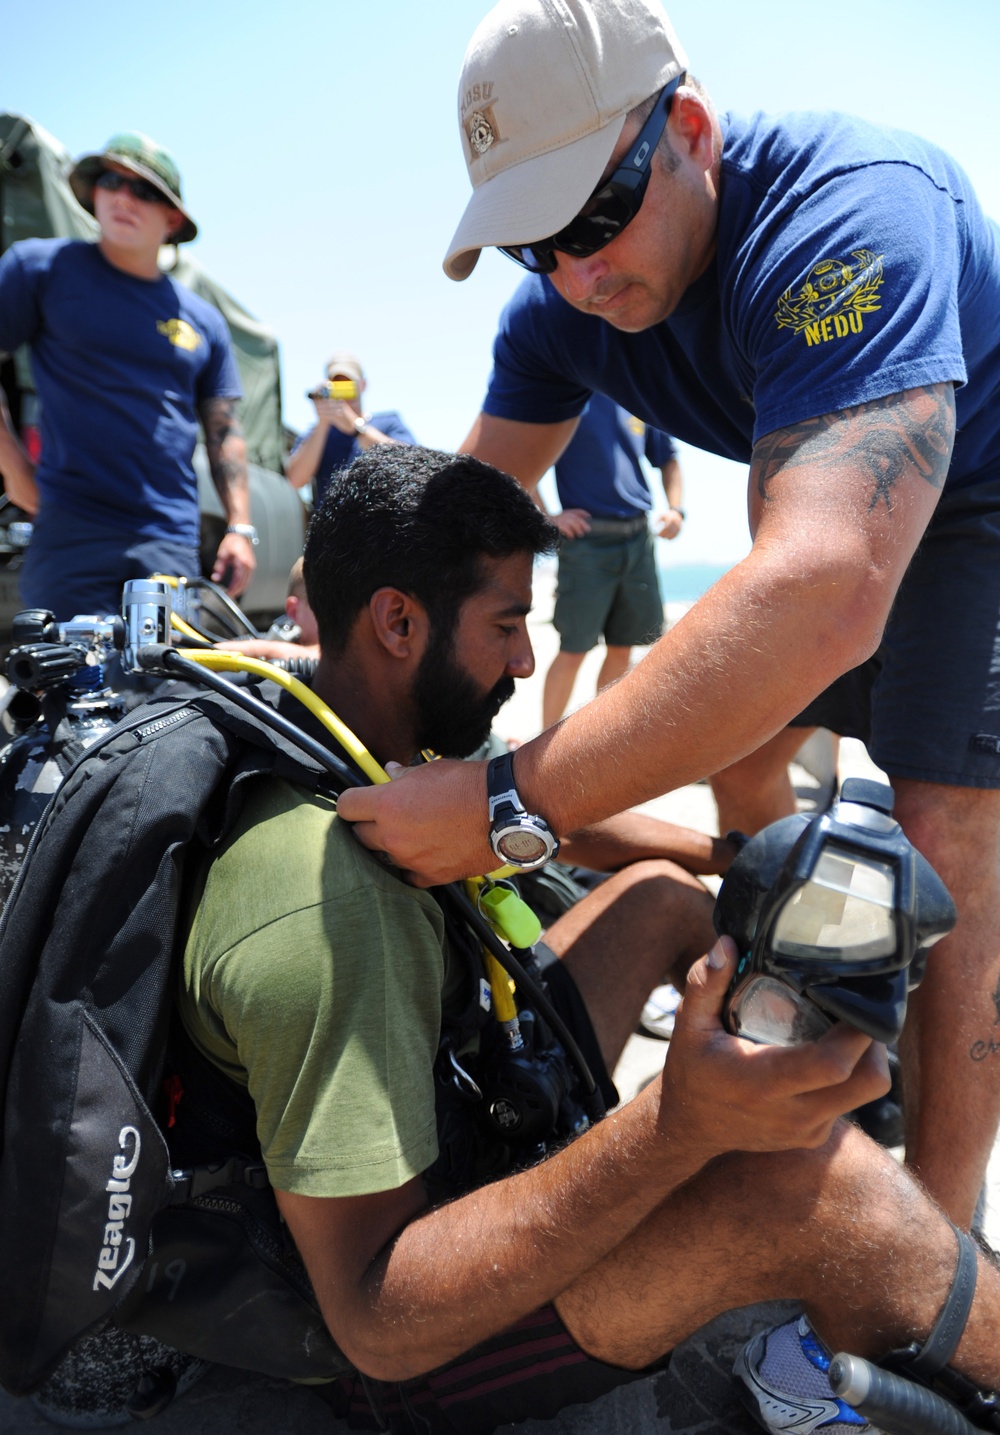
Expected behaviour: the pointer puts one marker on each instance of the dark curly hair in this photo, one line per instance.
(418, 520)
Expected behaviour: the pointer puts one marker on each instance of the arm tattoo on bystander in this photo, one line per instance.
(226, 458)
(911, 432)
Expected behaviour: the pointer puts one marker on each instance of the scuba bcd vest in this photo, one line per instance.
(98, 1220)
(86, 985)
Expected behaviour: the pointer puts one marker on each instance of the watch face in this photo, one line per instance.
(520, 844)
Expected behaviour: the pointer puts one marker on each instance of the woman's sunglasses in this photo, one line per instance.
(140, 189)
(613, 204)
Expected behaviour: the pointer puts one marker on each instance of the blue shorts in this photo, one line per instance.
(608, 587)
(928, 704)
(74, 565)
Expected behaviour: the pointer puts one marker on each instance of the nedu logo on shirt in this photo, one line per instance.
(834, 299)
(180, 333)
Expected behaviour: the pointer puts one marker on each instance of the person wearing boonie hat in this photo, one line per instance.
(342, 429)
(141, 156)
(818, 298)
(126, 362)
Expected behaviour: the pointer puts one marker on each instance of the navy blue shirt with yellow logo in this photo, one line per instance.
(120, 365)
(600, 468)
(852, 262)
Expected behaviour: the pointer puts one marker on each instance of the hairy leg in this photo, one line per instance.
(615, 666)
(644, 925)
(951, 1043)
(757, 790)
(843, 1229)
(558, 687)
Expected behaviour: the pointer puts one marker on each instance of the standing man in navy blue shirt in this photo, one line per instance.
(125, 362)
(342, 429)
(608, 584)
(818, 298)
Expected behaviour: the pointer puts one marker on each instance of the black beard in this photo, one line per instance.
(453, 715)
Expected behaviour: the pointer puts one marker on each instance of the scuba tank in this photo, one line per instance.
(58, 704)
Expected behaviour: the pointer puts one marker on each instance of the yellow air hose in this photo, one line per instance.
(510, 916)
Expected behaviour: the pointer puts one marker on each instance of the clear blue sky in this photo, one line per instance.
(321, 159)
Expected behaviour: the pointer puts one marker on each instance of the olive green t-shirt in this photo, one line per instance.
(315, 977)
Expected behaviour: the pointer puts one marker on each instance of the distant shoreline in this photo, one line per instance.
(686, 582)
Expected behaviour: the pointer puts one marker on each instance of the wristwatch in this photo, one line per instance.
(360, 424)
(244, 530)
(679, 511)
(521, 839)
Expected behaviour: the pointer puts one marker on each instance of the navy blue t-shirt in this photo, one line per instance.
(853, 262)
(600, 469)
(120, 365)
(341, 449)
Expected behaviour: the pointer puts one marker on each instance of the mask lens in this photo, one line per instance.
(844, 910)
(766, 1011)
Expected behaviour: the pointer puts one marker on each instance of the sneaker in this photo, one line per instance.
(658, 1014)
(784, 1371)
(112, 1377)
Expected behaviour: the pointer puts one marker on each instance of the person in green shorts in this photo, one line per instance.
(608, 584)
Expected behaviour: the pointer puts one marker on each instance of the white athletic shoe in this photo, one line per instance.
(787, 1389)
(658, 1014)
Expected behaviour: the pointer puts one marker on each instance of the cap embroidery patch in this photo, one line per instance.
(479, 121)
(835, 297)
(180, 333)
(480, 132)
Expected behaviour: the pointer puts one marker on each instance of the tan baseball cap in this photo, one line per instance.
(542, 100)
(346, 363)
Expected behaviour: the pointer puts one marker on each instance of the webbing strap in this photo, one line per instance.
(940, 1345)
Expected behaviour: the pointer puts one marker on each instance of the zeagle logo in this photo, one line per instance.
(479, 121)
(833, 300)
(116, 1244)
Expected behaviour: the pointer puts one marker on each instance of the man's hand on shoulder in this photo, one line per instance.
(431, 821)
(728, 1094)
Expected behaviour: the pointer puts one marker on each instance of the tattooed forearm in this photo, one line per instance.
(218, 417)
(912, 432)
(226, 449)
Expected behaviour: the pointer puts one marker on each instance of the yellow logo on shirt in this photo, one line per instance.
(834, 299)
(636, 426)
(180, 333)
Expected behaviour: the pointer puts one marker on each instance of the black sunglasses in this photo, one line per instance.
(614, 203)
(141, 189)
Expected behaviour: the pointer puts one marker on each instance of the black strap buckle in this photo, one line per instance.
(197, 1180)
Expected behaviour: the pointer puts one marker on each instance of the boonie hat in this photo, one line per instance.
(143, 157)
(347, 364)
(545, 88)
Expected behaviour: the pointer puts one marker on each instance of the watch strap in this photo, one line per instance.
(500, 788)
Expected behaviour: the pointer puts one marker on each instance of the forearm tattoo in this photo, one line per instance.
(221, 424)
(889, 438)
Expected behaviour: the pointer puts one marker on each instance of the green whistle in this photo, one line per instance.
(511, 915)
